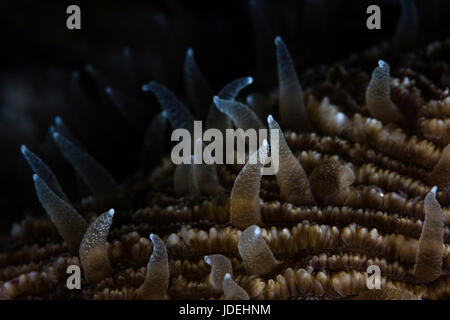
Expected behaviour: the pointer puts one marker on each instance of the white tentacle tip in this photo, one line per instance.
(58, 120)
(35, 177)
(382, 63)
(433, 190)
(278, 40)
(190, 52)
(207, 260)
(227, 276)
(55, 135)
(216, 99)
(111, 212)
(257, 231)
(270, 119)
(23, 149)
(249, 80)
(145, 87)
(108, 90)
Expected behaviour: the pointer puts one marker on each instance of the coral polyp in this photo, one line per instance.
(362, 181)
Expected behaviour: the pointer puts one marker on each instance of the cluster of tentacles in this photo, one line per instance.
(363, 180)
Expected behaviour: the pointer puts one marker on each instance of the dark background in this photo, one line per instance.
(39, 56)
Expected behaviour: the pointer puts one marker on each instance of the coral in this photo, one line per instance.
(363, 181)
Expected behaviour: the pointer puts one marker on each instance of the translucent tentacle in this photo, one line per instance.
(291, 102)
(245, 210)
(216, 118)
(291, 177)
(220, 266)
(206, 175)
(431, 242)
(255, 253)
(232, 290)
(440, 176)
(179, 116)
(156, 280)
(93, 250)
(378, 96)
(330, 182)
(185, 182)
(198, 89)
(44, 172)
(62, 129)
(153, 148)
(241, 115)
(103, 187)
(69, 223)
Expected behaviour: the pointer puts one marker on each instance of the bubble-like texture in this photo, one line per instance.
(232, 290)
(93, 250)
(220, 266)
(157, 277)
(245, 210)
(291, 177)
(254, 251)
(378, 96)
(431, 242)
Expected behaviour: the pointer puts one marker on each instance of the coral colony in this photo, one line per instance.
(362, 180)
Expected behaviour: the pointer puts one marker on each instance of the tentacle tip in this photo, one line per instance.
(152, 236)
(270, 119)
(278, 40)
(89, 68)
(111, 212)
(35, 177)
(23, 149)
(58, 120)
(433, 190)
(227, 276)
(257, 231)
(265, 143)
(216, 99)
(190, 52)
(382, 63)
(55, 135)
(108, 90)
(249, 80)
(207, 260)
(151, 86)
